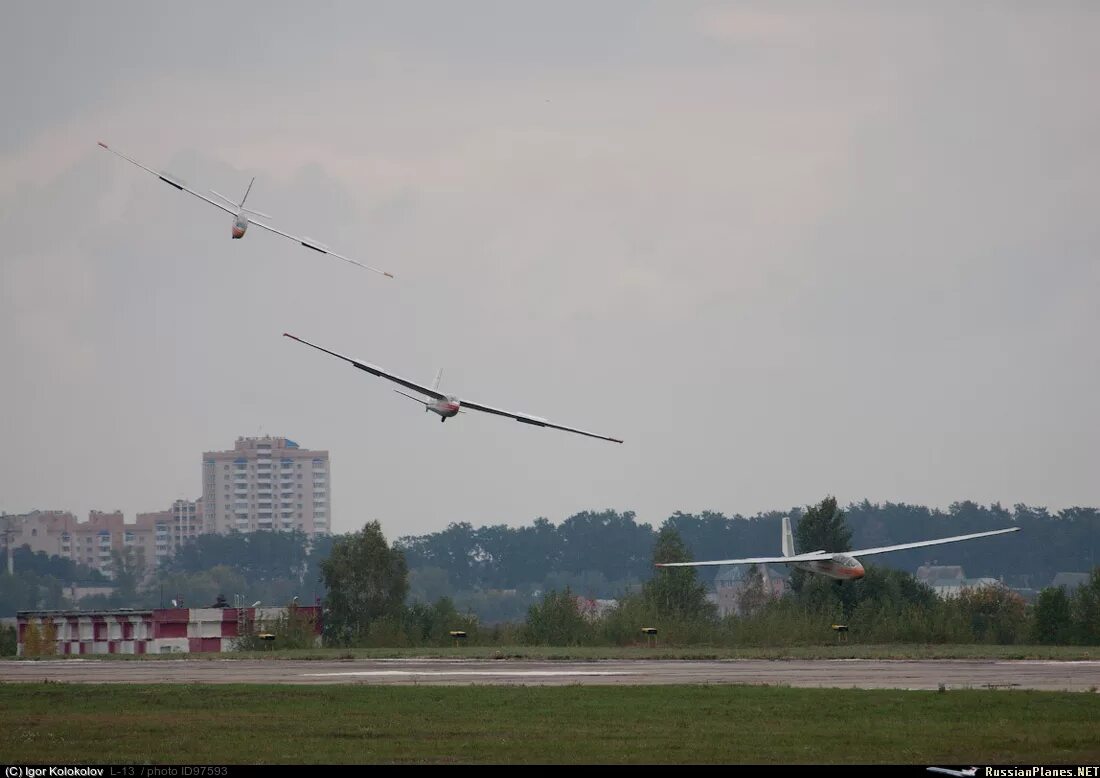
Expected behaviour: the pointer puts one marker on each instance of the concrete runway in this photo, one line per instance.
(835, 673)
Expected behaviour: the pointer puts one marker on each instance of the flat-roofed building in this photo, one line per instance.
(172, 528)
(267, 483)
(92, 542)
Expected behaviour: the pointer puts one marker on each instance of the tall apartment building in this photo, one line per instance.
(90, 542)
(266, 483)
(173, 527)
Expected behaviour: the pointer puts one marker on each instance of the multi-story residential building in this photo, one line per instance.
(42, 531)
(174, 527)
(266, 483)
(187, 520)
(91, 542)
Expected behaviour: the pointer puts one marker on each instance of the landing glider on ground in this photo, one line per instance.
(841, 566)
(446, 405)
(242, 217)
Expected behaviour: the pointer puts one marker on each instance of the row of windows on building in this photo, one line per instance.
(286, 464)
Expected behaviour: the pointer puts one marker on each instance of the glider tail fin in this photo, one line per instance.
(246, 191)
(787, 538)
(438, 378)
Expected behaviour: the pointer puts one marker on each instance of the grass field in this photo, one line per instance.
(575, 653)
(50, 723)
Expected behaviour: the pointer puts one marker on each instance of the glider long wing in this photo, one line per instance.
(309, 243)
(922, 543)
(374, 370)
(819, 556)
(536, 421)
(169, 180)
(760, 560)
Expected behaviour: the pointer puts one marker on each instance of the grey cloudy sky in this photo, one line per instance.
(784, 250)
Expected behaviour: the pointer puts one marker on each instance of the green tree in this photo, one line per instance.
(27, 590)
(675, 592)
(39, 637)
(996, 614)
(431, 625)
(1085, 608)
(32, 638)
(366, 580)
(198, 590)
(428, 584)
(128, 566)
(293, 628)
(556, 621)
(754, 594)
(1052, 617)
(821, 528)
(9, 641)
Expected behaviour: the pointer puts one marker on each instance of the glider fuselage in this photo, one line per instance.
(842, 567)
(446, 408)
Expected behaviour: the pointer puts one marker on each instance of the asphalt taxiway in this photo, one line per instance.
(832, 673)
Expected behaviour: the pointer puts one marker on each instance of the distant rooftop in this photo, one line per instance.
(1069, 580)
(263, 445)
(930, 573)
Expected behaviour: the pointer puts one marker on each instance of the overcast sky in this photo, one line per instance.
(783, 250)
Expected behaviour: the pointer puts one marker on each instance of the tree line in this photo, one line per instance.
(498, 572)
(367, 586)
(40, 581)
(604, 552)
(270, 567)
(367, 582)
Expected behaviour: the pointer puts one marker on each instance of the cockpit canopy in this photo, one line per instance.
(845, 561)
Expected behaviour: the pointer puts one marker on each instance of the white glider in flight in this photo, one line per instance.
(842, 566)
(242, 217)
(446, 405)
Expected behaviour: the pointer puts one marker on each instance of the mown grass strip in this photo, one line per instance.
(45, 723)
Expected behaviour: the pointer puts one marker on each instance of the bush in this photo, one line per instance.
(39, 638)
(1052, 623)
(1085, 610)
(783, 622)
(9, 641)
(556, 621)
(995, 614)
(431, 625)
(294, 628)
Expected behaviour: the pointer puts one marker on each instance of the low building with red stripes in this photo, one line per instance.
(157, 631)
